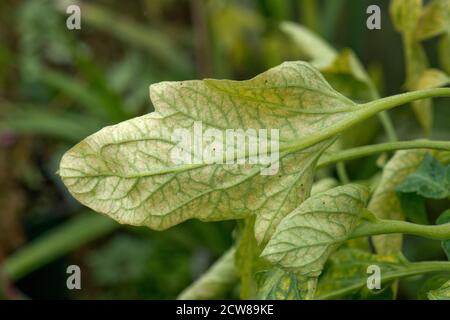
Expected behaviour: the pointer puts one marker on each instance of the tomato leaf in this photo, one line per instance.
(126, 171)
(430, 180)
(345, 274)
(306, 237)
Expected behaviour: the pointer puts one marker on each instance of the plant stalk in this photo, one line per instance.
(364, 151)
(370, 228)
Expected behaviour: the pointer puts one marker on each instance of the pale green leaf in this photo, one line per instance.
(345, 274)
(306, 237)
(443, 293)
(434, 20)
(312, 46)
(385, 203)
(347, 75)
(282, 285)
(126, 171)
(405, 14)
(343, 71)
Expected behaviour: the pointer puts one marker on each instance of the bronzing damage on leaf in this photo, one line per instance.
(126, 171)
(306, 237)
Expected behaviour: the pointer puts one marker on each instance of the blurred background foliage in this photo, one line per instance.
(57, 86)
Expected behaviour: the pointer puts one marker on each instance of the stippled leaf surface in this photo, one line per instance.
(430, 180)
(126, 172)
(306, 237)
(283, 285)
(442, 293)
(345, 274)
(384, 202)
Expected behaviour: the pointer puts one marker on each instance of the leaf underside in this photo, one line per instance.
(126, 172)
(306, 237)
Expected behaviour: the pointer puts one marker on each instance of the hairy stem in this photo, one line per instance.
(364, 151)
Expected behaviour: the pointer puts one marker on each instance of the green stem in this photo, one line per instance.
(410, 269)
(388, 126)
(366, 111)
(379, 226)
(365, 151)
(400, 99)
(76, 232)
(342, 172)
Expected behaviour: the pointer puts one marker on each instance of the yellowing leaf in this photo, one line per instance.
(126, 171)
(306, 237)
(385, 203)
(405, 14)
(430, 78)
(282, 285)
(434, 20)
(345, 274)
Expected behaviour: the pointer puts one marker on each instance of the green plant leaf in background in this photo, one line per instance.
(385, 203)
(416, 24)
(413, 205)
(306, 237)
(434, 19)
(282, 285)
(430, 180)
(215, 282)
(316, 50)
(345, 274)
(443, 293)
(445, 218)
